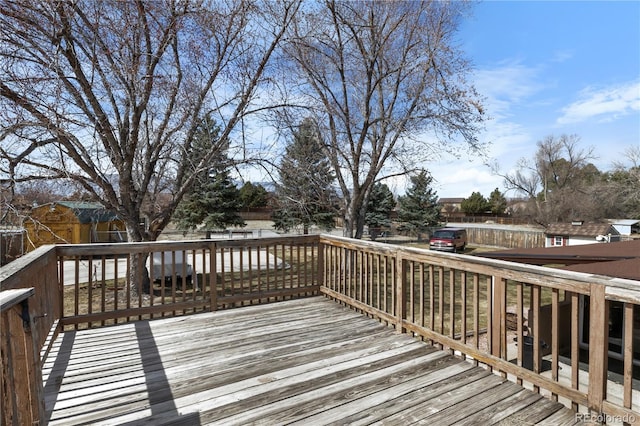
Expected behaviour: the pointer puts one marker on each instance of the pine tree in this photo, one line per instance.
(304, 194)
(214, 200)
(252, 196)
(475, 204)
(418, 209)
(497, 202)
(378, 215)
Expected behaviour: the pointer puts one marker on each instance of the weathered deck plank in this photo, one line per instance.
(308, 361)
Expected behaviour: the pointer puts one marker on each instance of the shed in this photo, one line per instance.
(73, 222)
(627, 226)
(11, 244)
(579, 233)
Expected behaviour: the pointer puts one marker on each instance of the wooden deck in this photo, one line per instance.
(307, 361)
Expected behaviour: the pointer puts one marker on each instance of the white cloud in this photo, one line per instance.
(562, 55)
(508, 88)
(607, 104)
(505, 85)
(461, 178)
(507, 139)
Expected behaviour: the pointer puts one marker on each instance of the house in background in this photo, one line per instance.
(451, 207)
(626, 227)
(579, 233)
(72, 222)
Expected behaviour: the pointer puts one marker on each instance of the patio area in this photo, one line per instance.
(305, 361)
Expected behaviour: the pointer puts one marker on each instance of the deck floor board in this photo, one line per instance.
(306, 361)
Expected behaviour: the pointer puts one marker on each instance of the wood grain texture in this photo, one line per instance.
(305, 361)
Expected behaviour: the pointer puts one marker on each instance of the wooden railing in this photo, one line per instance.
(470, 306)
(37, 270)
(21, 370)
(477, 307)
(91, 285)
(102, 284)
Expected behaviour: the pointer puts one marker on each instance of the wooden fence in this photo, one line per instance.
(504, 237)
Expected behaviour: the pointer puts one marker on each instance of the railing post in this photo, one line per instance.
(400, 289)
(213, 276)
(320, 272)
(535, 329)
(498, 329)
(598, 347)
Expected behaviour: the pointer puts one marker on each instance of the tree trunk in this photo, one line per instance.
(359, 231)
(355, 211)
(349, 221)
(139, 281)
(354, 220)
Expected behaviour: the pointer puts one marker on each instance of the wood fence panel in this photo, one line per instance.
(505, 238)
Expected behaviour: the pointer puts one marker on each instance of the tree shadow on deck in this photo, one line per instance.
(160, 398)
(60, 365)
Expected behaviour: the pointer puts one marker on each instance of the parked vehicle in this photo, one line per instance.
(164, 266)
(449, 239)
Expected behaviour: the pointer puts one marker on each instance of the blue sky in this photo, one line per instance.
(549, 68)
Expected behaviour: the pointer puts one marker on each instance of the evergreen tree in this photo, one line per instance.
(213, 200)
(418, 209)
(378, 215)
(497, 202)
(252, 196)
(304, 194)
(475, 204)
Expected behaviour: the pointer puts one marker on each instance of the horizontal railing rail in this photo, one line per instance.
(545, 328)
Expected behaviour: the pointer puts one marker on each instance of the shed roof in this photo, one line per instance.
(583, 230)
(618, 259)
(88, 212)
(626, 222)
(628, 268)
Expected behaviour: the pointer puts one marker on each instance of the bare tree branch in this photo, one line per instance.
(110, 93)
(381, 77)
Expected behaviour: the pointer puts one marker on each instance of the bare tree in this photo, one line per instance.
(556, 181)
(109, 94)
(624, 183)
(631, 158)
(386, 84)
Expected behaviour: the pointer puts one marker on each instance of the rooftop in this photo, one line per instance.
(87, 212)
(618, 259)
(581, 230)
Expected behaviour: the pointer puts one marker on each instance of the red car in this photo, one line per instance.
(449, 239)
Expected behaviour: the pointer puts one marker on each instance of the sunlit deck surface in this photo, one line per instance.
(307, 361)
